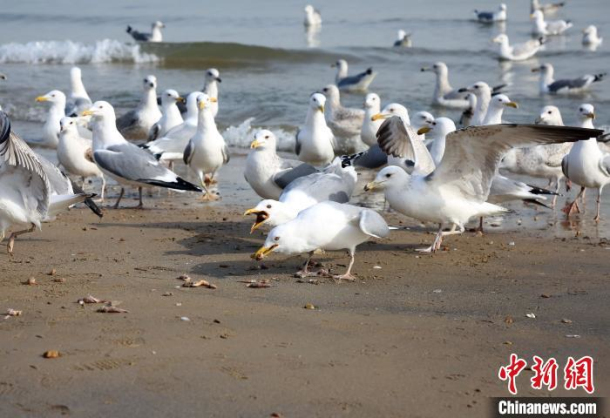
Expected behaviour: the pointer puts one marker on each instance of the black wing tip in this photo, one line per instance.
(129, 29)
(536, 202)
(179, 184)
(93, 206)
(540, 190)
(369, 71)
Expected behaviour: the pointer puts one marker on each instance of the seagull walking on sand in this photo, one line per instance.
(207, 151)
(155, 34)
(586, 165)
(548, 84)
(137, 123)
(125, 162)
(315, 141)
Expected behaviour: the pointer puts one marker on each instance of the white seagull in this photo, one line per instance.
(315, 141)
(312, 16)
(489, 17)
(344, 122)
(590, 37)
(154, 35)
(358, 82)
(403, 40)
(517, 52)
(548, 84)
(551, 27)
(210, 87)
(136, 124)
(171, 115)
(79, 98)
(372, 106)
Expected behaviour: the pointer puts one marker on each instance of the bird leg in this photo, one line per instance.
(103, 189)
(116, 205)
(557, 187)
(480, 225)
(347, 275)
(140, 204)
(599, 202)
(438, 238)
(571, 208)
(209, 179)
(568, 185)
(11, 240)
(304, 272)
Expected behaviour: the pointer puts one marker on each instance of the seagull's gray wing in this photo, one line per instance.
(400, 140)
(372, 158)
(290, 171)
(355, 79)
(188, 153)
(131, 163)
(154, 132)
(455, 95)
(485, 15)
(472, 154)
(322, 187)
(60, 184)
(225, 154)
(604, 165)
(373, 224)
(139, 36)
(575, 83)
(126, 121)
(297, 146)
(526, 47)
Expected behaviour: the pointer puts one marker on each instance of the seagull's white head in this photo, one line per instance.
(331, 92)
(171, 96)
(590, 30)
(500, 39)
(100, 110)
(341, 65)
(549, 115)
(502, 7)
(67, 125)
(191, 102)
(309, 9)
(438, 68)
(544, 69)
(212, 74)
(283, 239)
(586, 111)
(264, 140)
(158, 25)
(393, 109)
(478, 89)
(538, 16)
(75, 73)
(440, 128)
(204, 102)
(372, 101)
(317, 102)
(54, 96)
(149, 82)
(500, 101)
(388, 177)
(271, 212)
(422, 119)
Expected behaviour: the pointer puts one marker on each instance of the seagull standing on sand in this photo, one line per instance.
(336, 183)
(326, 226)
(549, 85)
(551, 27)
(171, 146)
(315, 141)
(457, 190)
(136, 124)
(75, 153)
(344, 122)
(312, 16)
(517, 52)
(154, 36)
(171, 115)
(358, 82)
(404, 40)
(268, 173)
(590, 37)
(372, 106)
(79, 99)
(207, 151)
(489, 17)
(586, 165)
(125, 162)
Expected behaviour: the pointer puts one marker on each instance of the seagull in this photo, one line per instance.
(344, 122)
(136, 124)
(207, 151)
(517, 52)
(79, 99)
(171, 146)
(50, 136)
(125, 162)
(467, 114)
(590, 37)
(75, 153)
(315, 141)
(552, 27)
(336, 183)
(542, 161)
(358, 82)
(325, 226)
(28, 196)
(457, 190)
(545, 8)
(585, 164)
(372, 106)
(496, 108)
(312, 16)
(171, 115)
(489, 17)
(210, 87)
(483, 93)
(441, 128)
(154, 36)
(549, 85)
(404, 40)
(268, 173)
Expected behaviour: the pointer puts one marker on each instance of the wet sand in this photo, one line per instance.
(416, 336)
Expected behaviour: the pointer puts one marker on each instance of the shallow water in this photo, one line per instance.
(266, 62)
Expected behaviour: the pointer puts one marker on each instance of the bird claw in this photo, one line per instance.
(301, 274)
(571, 208)
(428, 250)
(347, 277)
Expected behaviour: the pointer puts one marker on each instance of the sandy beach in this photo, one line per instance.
(417, 336)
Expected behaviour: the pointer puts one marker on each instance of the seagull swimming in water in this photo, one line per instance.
(489, 17)
(549, 85)
(358, 82)
(154, 36)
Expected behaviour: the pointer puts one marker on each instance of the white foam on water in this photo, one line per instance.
(242, 135)
(70, 52)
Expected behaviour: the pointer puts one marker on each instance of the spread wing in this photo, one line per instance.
(472, 154)
(400, 140)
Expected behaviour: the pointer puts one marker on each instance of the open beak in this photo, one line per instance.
(512, 104)
(380, 116)
(41, 99)
(423, 130)
(87, 112)
(261, 217)
(590, 115)
(253, 145)
(263, 251)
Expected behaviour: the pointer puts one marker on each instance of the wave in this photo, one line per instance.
(70, 52)
(242, 135)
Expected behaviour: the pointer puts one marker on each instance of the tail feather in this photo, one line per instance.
(348, 160)
(498, 89)
(369, 71)
(539, 190)
(179, 184)
(89, 200)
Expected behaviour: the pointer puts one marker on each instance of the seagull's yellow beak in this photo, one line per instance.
(180, 99)
(321, 109)
(213, 100)
(201, 105)
(423, 130)
(590, 115)
(425, 69)
(380, 116)
(370, 186)
(255, 144)
(532, 16)
(261, 218)
(41, 99)
(514, 105)
(87, 112)
(263, 251)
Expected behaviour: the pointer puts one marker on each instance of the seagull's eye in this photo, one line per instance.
(52, 95)
(268, 206)
(71, 123)
(388, 175)
(101, 107)
(550, 112)
(266, 136)
(433, 123)
(476, 87)
(276, 238)
(581, 110)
